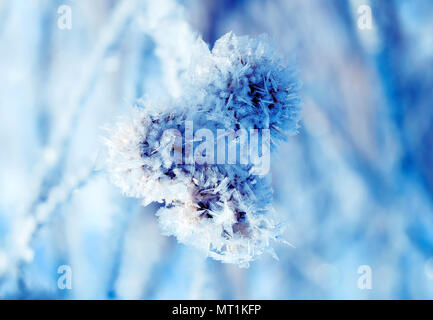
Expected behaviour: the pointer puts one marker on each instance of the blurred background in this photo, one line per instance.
(355, 186)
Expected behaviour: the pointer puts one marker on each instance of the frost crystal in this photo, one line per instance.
(220, 207)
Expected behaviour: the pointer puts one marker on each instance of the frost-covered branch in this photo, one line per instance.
(50, 193)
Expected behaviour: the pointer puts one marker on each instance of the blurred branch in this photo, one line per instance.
(50, 171)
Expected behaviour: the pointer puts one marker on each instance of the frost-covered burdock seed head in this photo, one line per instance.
(223, 208)
(244, 81)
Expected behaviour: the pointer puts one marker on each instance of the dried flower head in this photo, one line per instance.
(233, 97)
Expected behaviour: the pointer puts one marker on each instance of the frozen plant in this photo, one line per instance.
(240, 86)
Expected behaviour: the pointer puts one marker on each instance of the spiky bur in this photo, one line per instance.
(224, 209)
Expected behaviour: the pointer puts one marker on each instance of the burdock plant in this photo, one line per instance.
(176, 153)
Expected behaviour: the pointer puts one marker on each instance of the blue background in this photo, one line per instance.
(355, 185)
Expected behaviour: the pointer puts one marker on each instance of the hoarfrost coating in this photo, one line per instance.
(224, 209)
